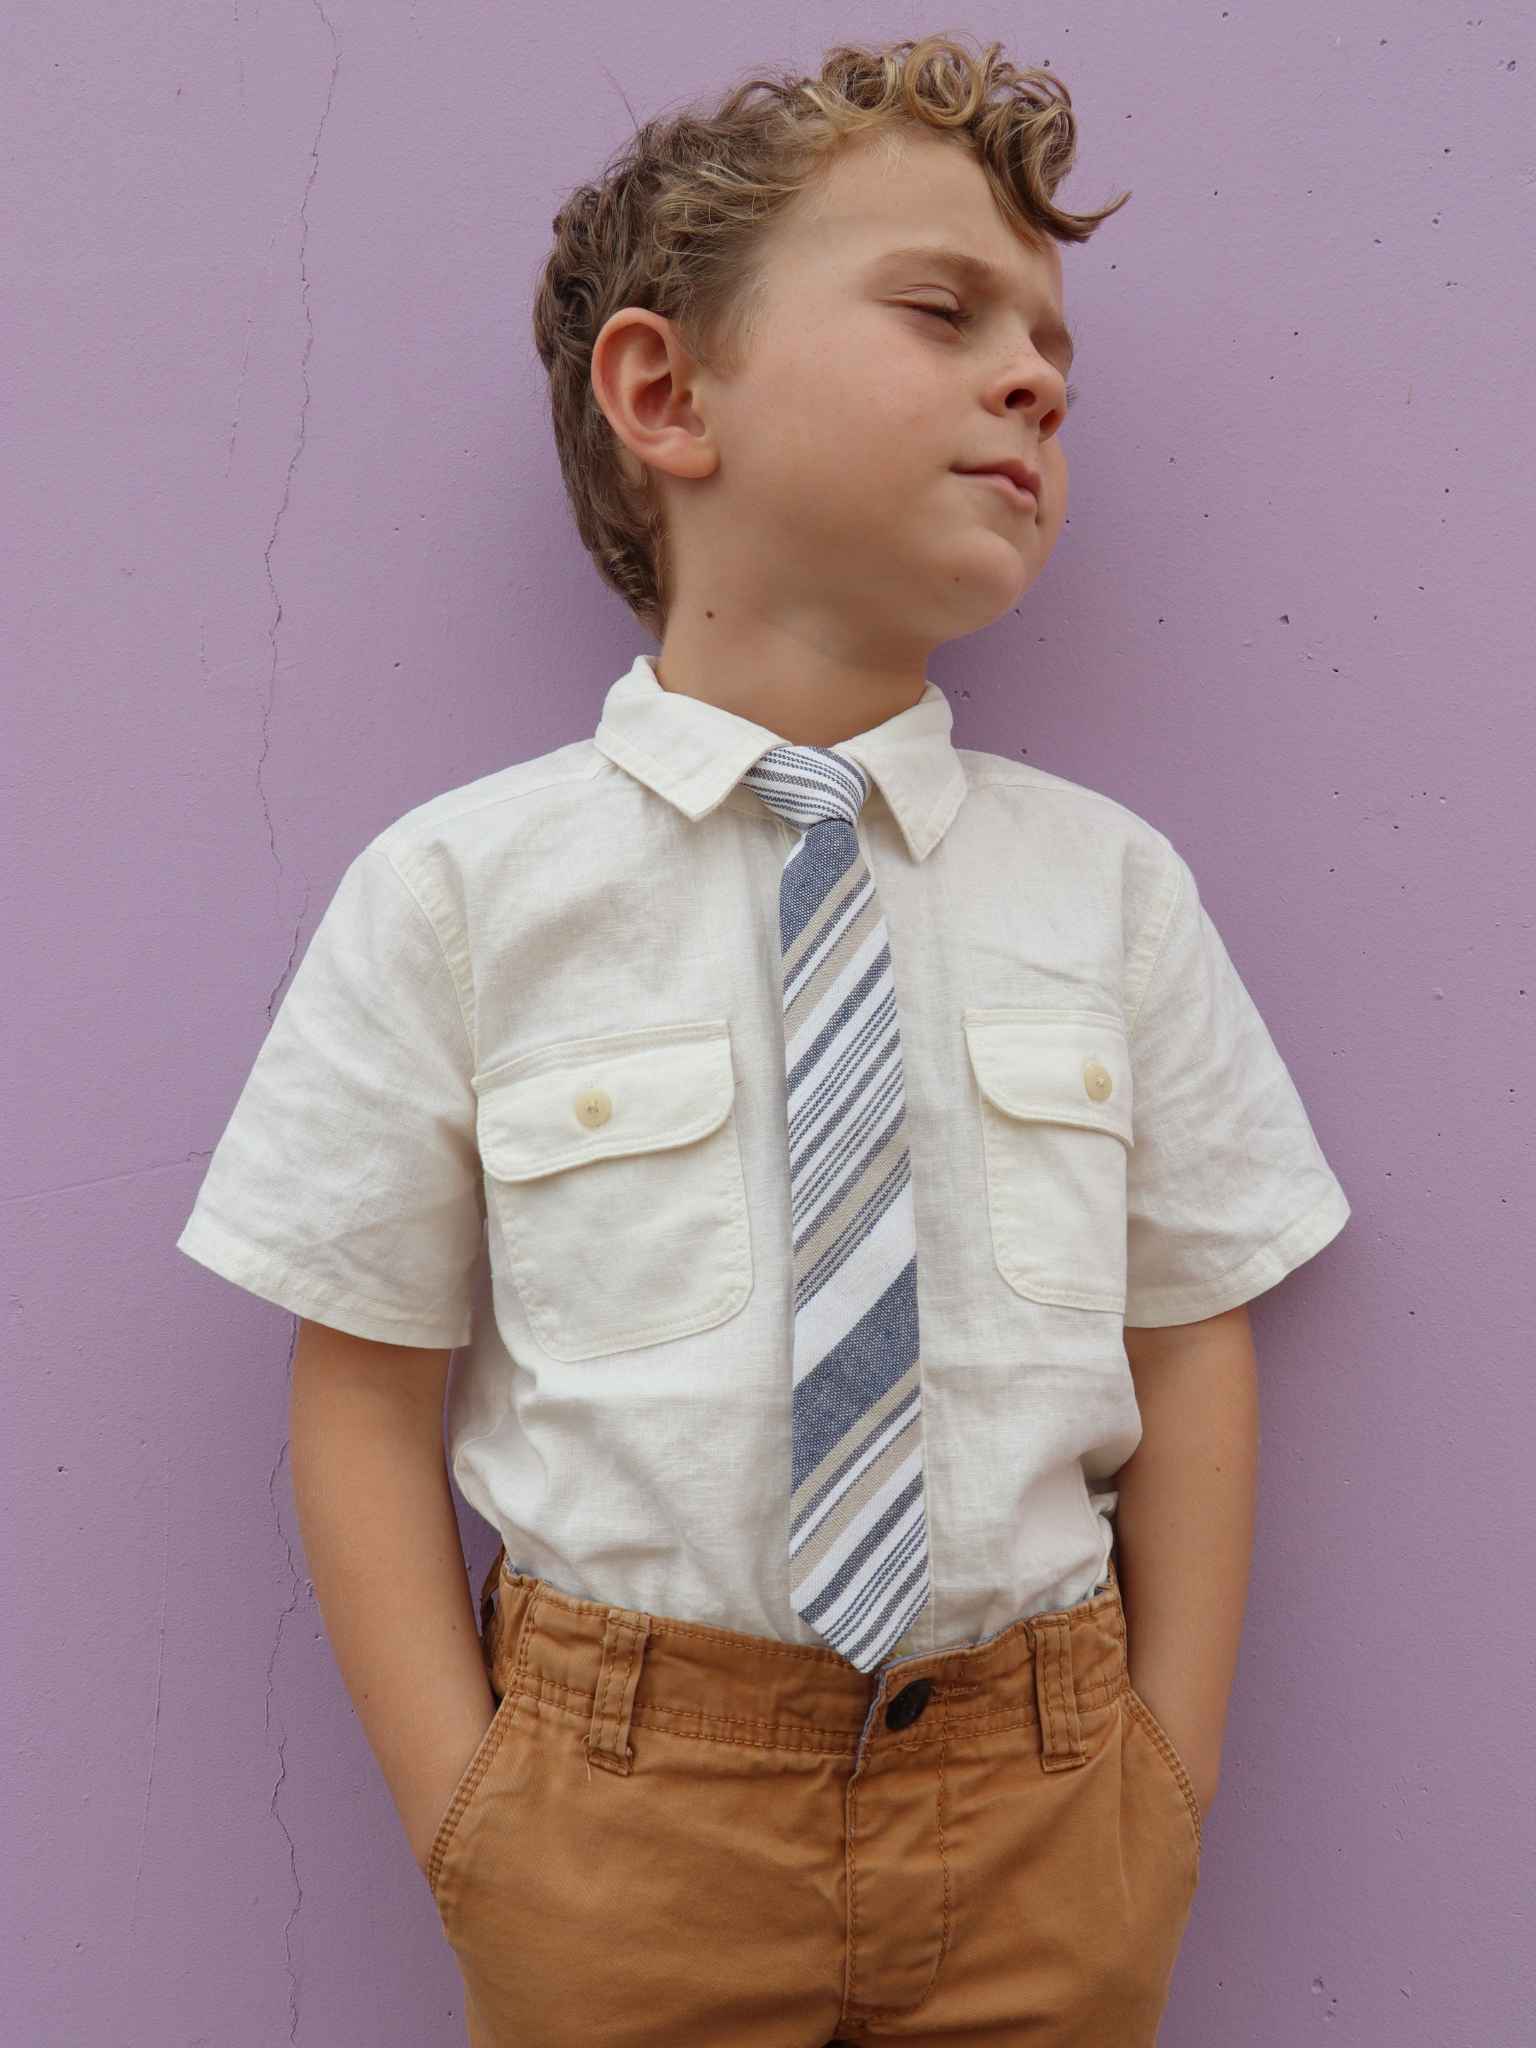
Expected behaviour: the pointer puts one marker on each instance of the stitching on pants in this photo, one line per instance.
(573, 1700)
(479, 1764)
(723, 1728)
(644, 1717)
(1058, 1689)
(607, 1743)
(1061, 1746)
(876, 2015)
(1020, 1712)
(1170, 1756)
(690, 1631)
(706, 1721)
(850, 1838)
(906, 2010)
(1046, 1644)
(468, 1785)
(746, 1741)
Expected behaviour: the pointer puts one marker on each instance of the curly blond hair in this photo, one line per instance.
(674, 220)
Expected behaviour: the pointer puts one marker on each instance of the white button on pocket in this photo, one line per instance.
(593, 1108)
(625, 1223)
(1055, 1090)
(1098, 1081)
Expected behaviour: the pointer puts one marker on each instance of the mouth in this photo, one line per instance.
(1012, 479)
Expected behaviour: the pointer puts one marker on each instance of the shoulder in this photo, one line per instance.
(457, 851)
(1104, 868)
(1019, 787)
(1058, 818)
(496, 804)
(488, 835)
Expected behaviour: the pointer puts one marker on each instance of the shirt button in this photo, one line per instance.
(909, 1705)
(1097, 1081)
(593, 1108)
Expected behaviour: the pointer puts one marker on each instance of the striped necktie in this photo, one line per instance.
(858, 1533)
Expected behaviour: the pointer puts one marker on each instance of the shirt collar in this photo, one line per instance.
(694, 754)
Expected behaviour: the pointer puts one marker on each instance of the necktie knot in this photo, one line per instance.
(808, 786)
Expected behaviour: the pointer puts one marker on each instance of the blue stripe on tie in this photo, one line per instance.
(886, 1432)
(826, 854)
(855, 1374)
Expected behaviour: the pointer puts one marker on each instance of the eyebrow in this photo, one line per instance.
(1049, 334)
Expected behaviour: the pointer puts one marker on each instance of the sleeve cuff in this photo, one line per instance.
(1156, 1308)
(258, 1272)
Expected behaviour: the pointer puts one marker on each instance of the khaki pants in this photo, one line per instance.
(674, 1836)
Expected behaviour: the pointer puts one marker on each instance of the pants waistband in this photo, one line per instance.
(612, 1670)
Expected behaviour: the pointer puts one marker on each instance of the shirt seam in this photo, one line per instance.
(463, 990)
(1050, 785)
(1171, 891)
(1025, 780)
(405, 829)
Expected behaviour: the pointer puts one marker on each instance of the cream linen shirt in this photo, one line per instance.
(543, 1015)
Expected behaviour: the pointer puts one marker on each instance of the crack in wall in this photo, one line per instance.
(234, 424)
(102, 1180)
(280, 1742)
(293, 463)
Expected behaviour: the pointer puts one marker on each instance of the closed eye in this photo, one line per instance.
(953, 316)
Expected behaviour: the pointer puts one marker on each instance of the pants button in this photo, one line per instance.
(909, 1705)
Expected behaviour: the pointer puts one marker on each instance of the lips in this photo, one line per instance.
(1014, 478)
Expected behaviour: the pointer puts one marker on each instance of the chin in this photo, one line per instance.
(983, 586)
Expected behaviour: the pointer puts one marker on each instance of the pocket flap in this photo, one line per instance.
(1053, 1067)
(653, 1091)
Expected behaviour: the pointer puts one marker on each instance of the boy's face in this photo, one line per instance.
(888, 444)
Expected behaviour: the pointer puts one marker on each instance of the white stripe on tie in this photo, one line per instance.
(867, 1273)
(860, 1548)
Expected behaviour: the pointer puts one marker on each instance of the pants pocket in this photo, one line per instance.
(1169, 1757)
(448, 1828)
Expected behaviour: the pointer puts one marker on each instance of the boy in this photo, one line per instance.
(874, 1148)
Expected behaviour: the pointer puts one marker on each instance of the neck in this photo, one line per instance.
(810, 682)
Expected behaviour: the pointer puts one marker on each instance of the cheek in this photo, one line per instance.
(847, 416)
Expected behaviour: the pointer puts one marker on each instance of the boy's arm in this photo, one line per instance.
(376, 1514)
(1184, 1528)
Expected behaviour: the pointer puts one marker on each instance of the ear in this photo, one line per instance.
(648, 387)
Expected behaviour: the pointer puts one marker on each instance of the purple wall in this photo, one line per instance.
(286, 554)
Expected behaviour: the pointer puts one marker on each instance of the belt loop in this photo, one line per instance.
(624, 1640)
(1061, 1735)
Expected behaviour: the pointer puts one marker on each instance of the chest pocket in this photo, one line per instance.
(616, 1174)
(1056, 1125)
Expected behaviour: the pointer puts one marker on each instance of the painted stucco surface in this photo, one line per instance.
(286, 554)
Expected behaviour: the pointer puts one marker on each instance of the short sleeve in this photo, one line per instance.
(347, 1187)
(1228, 1190)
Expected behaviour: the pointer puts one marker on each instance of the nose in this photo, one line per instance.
(1026, 383)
